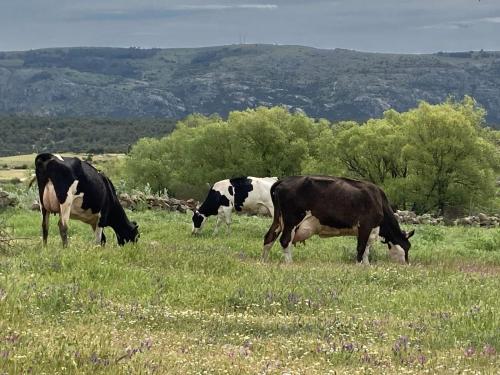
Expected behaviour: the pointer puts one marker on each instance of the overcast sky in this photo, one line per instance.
(405, 26)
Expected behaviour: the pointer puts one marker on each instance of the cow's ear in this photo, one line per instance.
(410, 233)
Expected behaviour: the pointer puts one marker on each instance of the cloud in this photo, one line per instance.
(225, 7)
(464, 24)
(117, 14)
(491, 19)
(446, 26)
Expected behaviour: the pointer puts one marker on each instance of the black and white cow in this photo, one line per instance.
(334, 206)
(74, 189)
(248, 194)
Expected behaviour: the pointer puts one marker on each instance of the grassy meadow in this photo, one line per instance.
(20, 167)
(174, 303)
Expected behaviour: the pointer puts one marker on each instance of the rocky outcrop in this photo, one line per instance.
(7, 200)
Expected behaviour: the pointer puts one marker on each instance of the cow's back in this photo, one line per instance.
(336, 202)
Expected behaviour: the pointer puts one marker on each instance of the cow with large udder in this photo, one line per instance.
(245, 194)
(334, 206)
(74, 189)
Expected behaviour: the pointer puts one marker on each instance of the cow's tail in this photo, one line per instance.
(41, 172)
(276, 227)
(32, 180)
(276, 203)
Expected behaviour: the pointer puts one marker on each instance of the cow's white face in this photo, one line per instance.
(198, 222)
(396, 253)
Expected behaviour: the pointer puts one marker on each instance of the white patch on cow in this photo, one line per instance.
(396, 253)
(259, 199)
(58, 157)
(66, 207)
(310, 225)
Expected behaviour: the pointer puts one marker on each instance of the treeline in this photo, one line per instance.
(27, 134)
(434, 157)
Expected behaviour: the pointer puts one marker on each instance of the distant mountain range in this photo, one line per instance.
(335, 84)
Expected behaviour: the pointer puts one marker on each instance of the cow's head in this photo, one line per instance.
(399, 248)
(198, 221)
(130, 234)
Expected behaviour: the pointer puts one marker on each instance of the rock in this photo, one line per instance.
(483, 217)
(7, 200)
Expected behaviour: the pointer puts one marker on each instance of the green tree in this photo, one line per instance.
(451, 163)
(258, 142)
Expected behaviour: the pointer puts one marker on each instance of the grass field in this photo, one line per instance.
(179, 304)
(21, 166)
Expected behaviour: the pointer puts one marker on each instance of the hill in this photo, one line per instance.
(334, 84)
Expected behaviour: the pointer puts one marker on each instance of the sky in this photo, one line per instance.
(397, 26)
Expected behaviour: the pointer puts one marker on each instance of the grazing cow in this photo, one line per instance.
(250, 194)
(334, 206)
(74, 189)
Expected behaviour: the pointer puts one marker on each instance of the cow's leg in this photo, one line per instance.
(363, 236)
(100, 239)
(65, 211)
(227, 216)
(371, 240)
(286, 242)
(45, 225)
(217, 222)
(269, 239)
(63, 231)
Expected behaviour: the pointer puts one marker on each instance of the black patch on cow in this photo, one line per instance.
(212, 202)
(242, 186)
(230, 189)
(197, 219)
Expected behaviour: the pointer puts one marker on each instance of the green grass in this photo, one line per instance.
(28, 160)
(22, 166)
(174, 303)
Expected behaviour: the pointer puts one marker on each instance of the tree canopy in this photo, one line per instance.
(432, 157)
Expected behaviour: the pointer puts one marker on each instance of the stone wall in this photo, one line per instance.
(480, 220)
(153, 202)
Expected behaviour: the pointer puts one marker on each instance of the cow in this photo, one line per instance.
(74, 189)
(334, 206)
(248, 194)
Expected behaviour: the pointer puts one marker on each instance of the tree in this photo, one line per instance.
(258, 142)
(451, 163)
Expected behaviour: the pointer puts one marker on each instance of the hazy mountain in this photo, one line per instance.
(335, 84)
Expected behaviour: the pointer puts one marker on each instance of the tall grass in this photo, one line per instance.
(174, 303)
